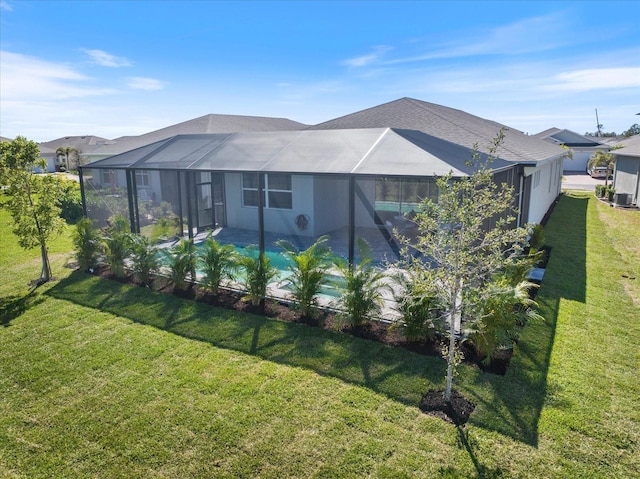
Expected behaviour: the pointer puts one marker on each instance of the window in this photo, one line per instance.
(402, 195)
(142, 178)
(276, 195)
(106, 177)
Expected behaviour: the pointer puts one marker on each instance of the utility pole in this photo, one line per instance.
(598, 124)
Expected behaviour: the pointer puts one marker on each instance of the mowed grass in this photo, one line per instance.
(99, 379)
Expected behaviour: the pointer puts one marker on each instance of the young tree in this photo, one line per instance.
(459, 252)
(33, 199)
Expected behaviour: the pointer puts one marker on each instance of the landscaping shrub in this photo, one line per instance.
(308, 272)
(86, 242)
(182, 263)
(361, 294)
(144, 259)
(71, 201)
(218, 262)
(421, 316)
(259, 272)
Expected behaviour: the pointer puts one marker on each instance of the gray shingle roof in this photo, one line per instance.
(567, 137)
(449, 124)
(84, 143)
(631, 146)
(202, 125)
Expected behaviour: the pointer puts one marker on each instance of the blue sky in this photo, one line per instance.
(126, 68)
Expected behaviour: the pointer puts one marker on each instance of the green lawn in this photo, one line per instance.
(103, 380)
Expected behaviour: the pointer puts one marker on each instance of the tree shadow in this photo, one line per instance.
(394, 372)
(470, 445)
(14, 306)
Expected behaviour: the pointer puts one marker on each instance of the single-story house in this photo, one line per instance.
(361, 174)
(582, 147)
(87, 149)
(626, 175)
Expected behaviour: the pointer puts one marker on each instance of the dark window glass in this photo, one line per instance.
(249, 180)
(250, 198)
(279, 182)
(281, 200)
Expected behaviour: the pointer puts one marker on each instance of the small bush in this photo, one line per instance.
(421, 316)
(361, 293)
(86, 241)
(259, 272)
(218, 262)
(144, 259)
(182, 262)
(536, 236)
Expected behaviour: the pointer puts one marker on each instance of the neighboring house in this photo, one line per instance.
(626, 176)
(582, 147)
(73, 151)
(51, 157)
(92, 148)
(364, 172)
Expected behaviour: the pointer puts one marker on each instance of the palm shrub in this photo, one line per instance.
(117, 245)
(503, 309)
(362, 291)
(86, 242)
(217, 263)
(536, 236)
(259, 272)
(420, 313)
(182, 263)
(144, 259)
(308, 271)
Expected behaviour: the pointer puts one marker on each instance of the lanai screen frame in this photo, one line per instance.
(343, 154)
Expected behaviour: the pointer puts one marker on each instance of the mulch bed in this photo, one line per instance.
(456, 411)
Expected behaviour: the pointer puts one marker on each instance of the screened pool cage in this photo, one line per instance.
(257, 188)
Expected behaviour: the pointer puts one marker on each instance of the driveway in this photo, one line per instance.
(577, 180)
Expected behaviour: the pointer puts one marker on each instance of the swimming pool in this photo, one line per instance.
(330, 290)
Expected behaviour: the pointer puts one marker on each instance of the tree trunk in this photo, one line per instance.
(45, 274)
(454, 315)
(451, 356)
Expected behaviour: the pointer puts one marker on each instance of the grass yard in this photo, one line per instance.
(99, 379)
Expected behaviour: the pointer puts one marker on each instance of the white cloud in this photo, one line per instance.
(596, 79)
(26, 78)
(149, 84)
(5, 6)
(105, 59)
(530, 35)
(366, 60)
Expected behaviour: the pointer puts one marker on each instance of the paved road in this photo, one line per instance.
(580, 181)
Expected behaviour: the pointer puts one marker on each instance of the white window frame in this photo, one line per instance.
(267, 190)
(142, 178)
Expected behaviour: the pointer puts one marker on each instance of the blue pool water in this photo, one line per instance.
(282, 263)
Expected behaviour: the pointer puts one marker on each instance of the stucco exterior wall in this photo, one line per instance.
(275, 220)
(627, 176)
(331, 204)
(546, 184)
